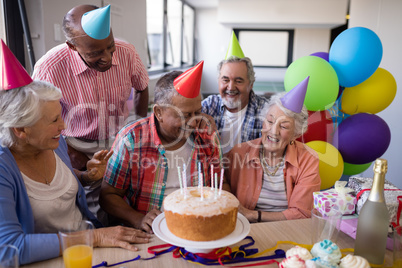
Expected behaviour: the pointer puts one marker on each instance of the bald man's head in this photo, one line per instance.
(72, 22)
(95, 53)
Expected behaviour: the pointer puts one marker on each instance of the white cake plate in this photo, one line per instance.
(161, 230)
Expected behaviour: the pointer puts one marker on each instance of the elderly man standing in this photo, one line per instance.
(238, 112)
(96, 74)
(148, 152)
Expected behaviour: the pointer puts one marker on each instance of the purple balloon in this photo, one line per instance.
(322, 55)
(362, 138)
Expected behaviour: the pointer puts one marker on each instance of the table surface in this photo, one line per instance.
(266, 235)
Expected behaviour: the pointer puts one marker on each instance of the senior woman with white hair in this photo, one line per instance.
(39, 192)
(274, 177)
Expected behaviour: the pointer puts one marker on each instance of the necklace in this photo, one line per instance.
(266, 167)
(47, 182)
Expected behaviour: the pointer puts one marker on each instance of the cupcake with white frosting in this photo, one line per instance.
(327, 251)
(351, 261)
(303, 253)
(293, 262)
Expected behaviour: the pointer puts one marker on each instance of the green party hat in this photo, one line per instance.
(234, 48)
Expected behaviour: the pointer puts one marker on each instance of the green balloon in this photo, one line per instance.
(353, 169)
(323, 86)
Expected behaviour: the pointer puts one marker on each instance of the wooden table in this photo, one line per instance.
(265, 235)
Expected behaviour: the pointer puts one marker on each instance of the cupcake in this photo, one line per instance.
(320, 263)
(351, 261)
(293, 262)
(327, 252)
(303, 253)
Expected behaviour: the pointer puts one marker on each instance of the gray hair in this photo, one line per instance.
(246, 60)
(300, 118)
(21, 107)
(164, 89)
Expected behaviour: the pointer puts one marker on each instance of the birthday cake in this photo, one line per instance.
(191, 217)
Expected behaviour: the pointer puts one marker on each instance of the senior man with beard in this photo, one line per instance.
(238, 112)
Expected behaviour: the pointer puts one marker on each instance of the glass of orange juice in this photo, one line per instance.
(77, 245)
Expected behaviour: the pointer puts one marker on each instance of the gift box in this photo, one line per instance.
(349, 227)
(329, 201)
(362, 187)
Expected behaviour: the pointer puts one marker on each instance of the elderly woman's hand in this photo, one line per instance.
(119, 236)
(97, 165)
(251, 215)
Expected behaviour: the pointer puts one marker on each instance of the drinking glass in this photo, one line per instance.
(9, 256)
(397, 249)
(77, 245)
(325, 227)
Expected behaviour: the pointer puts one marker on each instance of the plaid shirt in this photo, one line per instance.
(139, 165)
(252, 125)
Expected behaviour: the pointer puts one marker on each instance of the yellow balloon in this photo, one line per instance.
(331, 162)
(371, 96)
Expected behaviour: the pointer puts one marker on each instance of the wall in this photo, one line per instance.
(312, 27)
(45, 20)
(384, 18)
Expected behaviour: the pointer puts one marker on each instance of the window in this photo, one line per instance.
(267, 48)
(170, 34)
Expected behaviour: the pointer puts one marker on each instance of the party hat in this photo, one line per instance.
(188, 84)
(13, 74)
(294, 99)
(234, 48)
(96, 23)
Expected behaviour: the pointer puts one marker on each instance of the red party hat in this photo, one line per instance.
(188, 84)
(13, 74)
(294, 99)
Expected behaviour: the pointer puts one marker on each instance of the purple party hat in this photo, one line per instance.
(294, 99)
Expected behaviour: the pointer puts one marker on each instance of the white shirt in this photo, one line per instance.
(54, 205)
(231, 132)
(176, 159)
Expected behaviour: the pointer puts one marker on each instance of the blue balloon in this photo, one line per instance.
(362, 138)
(355, 55)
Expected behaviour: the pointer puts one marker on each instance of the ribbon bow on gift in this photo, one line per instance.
(342, 190)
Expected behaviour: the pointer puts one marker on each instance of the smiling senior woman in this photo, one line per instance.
(274, 177)
(39, 192)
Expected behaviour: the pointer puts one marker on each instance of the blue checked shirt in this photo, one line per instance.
(252, 125)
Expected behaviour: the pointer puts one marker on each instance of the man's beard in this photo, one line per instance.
(232, 104)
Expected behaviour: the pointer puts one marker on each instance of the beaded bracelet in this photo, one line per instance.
(259, 216)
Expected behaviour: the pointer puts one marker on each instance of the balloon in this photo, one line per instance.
(372, 96)
(331, 163)
(355, 54)
(341, 89)
(362, 138)
(322, 55)
(320, 127)
(323, 84)
(353, 169)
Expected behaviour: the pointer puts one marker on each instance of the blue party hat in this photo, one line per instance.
(294, 99)
(96, 23)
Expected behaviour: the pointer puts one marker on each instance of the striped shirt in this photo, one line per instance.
(254, 118)
(273, 191)
(93, 103)
(139, 164)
